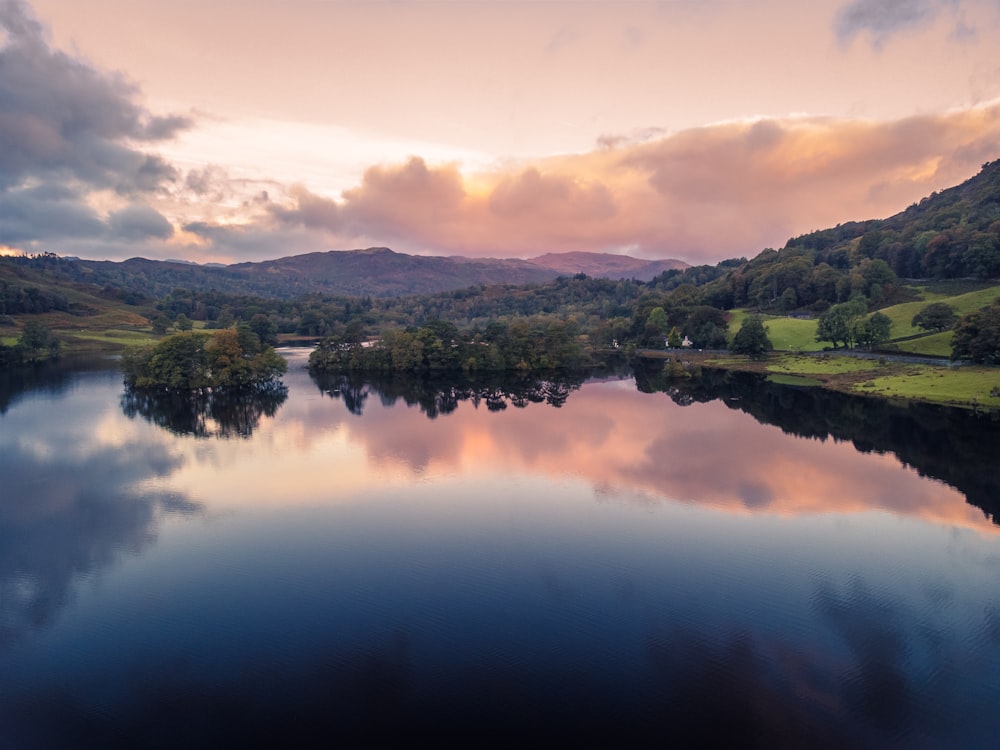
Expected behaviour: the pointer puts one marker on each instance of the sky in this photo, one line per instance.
(239, 130)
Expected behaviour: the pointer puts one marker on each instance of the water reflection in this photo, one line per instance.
(219, 413)
(893, 674)
(73, 503)
(956, 446)
(437, 396)
(621, 570)
(47, 376)
(629, 444)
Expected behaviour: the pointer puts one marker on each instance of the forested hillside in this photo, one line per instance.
(374, 272)
(951, 234)
(839, 276)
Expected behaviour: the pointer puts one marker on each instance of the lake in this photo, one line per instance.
(715, 562)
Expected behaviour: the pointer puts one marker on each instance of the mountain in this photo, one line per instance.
(606, 265)
(954, 233)
(372, 272)
(381, 272)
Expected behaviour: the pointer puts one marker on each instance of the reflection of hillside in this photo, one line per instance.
(441, 395)
(49, 376)
(953, 445)
(69, 517)
(220, 413)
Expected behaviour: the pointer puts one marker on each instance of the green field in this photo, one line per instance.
(787, 334)
(833, 364)
(967, 386)
(960, 386)
(932, 345)
(901, 315)
(111, 336)
(795, 335)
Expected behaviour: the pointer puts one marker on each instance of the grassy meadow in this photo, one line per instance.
(796, 335)
(967, 386)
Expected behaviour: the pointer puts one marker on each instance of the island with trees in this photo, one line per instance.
(233, 359)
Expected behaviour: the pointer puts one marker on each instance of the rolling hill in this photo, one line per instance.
(371, 272)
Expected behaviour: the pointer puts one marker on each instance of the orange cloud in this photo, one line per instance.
(410, 198)
(551, 196)
(702, 195)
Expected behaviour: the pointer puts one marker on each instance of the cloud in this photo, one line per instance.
(46, 212)
(60, 116)
(883, 19)
(310, 211)
(410, 200)
(67, 157)
(531, 193)
(76, 178)
(139, 222)
(702, 194)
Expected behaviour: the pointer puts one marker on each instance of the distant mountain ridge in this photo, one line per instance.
(606, 265)
(370, 272)
(402, 273)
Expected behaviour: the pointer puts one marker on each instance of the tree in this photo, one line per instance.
(225, 319)
(872, 331)
(752, 339)
(37, 341)
(977, 336)
(265, 329)
(706, 327)
(936, 316)
(657, 324)
(838, 323)
(183, 323)
(160, 324)
(674, 340)
(982, 258)
(878, 278)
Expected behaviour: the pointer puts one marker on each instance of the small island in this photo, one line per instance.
(232, 358)
(438, 346)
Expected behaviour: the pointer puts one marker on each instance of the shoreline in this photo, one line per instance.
(889, 377)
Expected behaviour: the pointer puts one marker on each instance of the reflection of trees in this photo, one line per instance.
(221, 413)
(441, 395)
(954, 445)
(62, 519)
(50, 376)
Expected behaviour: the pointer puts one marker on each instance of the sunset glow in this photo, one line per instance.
(698, 131)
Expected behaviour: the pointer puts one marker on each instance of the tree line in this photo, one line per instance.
(532, 344)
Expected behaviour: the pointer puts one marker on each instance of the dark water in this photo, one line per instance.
(540, 563)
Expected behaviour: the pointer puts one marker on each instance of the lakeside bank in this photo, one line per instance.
(892, 377)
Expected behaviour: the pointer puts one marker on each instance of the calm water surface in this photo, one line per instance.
(336, 566)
